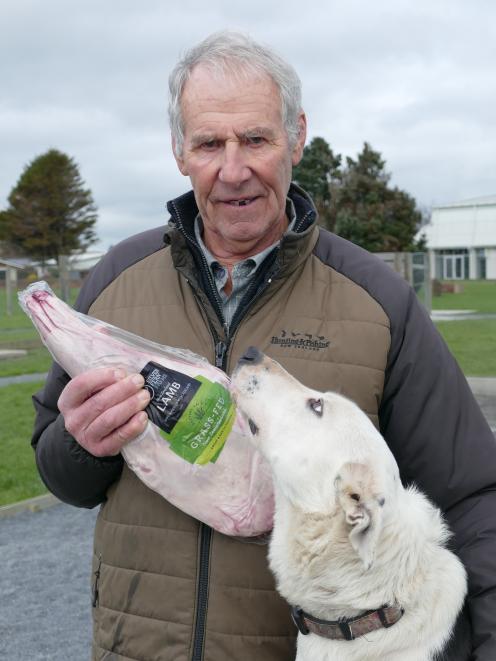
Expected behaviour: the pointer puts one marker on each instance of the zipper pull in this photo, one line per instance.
(220, 352)
(96, 593)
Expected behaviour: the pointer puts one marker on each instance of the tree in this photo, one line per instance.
(356, 201)
(370, 212)
(50, 212)
(318, 172)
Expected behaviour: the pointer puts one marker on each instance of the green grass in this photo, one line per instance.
(18, 332)
(19, 477)
(479, 295)
(473, 343)
(36, 361)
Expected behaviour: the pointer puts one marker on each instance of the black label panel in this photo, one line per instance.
(170, 392)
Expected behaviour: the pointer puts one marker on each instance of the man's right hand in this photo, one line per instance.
(103, 409)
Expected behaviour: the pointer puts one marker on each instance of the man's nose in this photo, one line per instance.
(234, 167)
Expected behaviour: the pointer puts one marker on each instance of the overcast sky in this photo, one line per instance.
(415, 79)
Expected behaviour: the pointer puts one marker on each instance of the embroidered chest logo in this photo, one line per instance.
(297, 340)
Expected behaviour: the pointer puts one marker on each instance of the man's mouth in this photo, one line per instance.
(241, 203)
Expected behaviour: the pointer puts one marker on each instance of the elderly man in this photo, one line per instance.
(243, 262)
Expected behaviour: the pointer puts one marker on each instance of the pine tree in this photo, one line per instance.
(50, 212)
(317, 173)
(372, 214)
(356, 201)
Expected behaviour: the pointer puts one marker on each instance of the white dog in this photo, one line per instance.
(361, 559)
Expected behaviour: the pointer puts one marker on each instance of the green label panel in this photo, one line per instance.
(203, 428)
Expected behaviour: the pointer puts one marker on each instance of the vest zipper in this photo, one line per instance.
(205, 543)
(221, 349)
(202, 595)
(254, 292)
(214, 299)
(205, 531)
(220, 352)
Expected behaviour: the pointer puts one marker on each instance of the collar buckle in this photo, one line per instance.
(297, 615)
(346, 630)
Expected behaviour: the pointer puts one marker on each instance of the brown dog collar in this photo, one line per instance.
(347, 628)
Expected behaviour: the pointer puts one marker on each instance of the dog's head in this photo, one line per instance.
(326, 455)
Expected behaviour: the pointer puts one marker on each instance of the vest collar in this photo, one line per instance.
(295, 245)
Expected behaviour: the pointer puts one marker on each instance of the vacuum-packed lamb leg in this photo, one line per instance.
(224, 482)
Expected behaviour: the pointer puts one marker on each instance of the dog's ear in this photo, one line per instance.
(357, 495)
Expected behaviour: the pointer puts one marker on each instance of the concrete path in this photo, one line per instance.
(45, 572)
(22, 378)
(484, 389)
(459, 315)
(12, 353)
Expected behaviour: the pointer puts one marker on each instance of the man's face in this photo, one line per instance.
(237, 155)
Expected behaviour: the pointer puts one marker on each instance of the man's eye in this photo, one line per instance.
(254, 140)
(317, 406)
(210, 145)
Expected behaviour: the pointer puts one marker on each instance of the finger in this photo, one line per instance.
(80, 417)
(112, 444)
(83, 386)
(114, 417)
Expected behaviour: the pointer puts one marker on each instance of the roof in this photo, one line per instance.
(9, 263)
(485, 200)
(466, 224)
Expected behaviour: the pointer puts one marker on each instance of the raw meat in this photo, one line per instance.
(233, 494)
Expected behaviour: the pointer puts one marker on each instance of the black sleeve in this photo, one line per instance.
(442, 442)
(68, 470)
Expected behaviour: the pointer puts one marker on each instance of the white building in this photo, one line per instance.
(461, 240)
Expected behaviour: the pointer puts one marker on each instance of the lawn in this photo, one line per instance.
(18, 475)
(17, 332)
(473, 343)
(36, 361)
(479, 295)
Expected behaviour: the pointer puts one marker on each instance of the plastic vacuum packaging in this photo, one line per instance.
(195, 450)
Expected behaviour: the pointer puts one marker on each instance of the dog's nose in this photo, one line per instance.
(252, 356)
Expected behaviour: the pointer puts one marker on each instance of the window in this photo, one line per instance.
(454, 264)
(480, 261)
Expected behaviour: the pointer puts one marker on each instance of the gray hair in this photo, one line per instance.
(235, 53)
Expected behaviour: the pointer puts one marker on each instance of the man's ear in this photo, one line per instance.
(179, 158)
(362, 507)
(297, 152)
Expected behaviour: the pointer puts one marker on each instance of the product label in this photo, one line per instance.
(195, 415)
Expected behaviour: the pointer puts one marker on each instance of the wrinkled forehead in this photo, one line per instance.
(235, 76)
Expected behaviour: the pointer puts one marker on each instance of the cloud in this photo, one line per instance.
(412, 79)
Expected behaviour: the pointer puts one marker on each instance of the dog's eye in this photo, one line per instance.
(317, 406)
